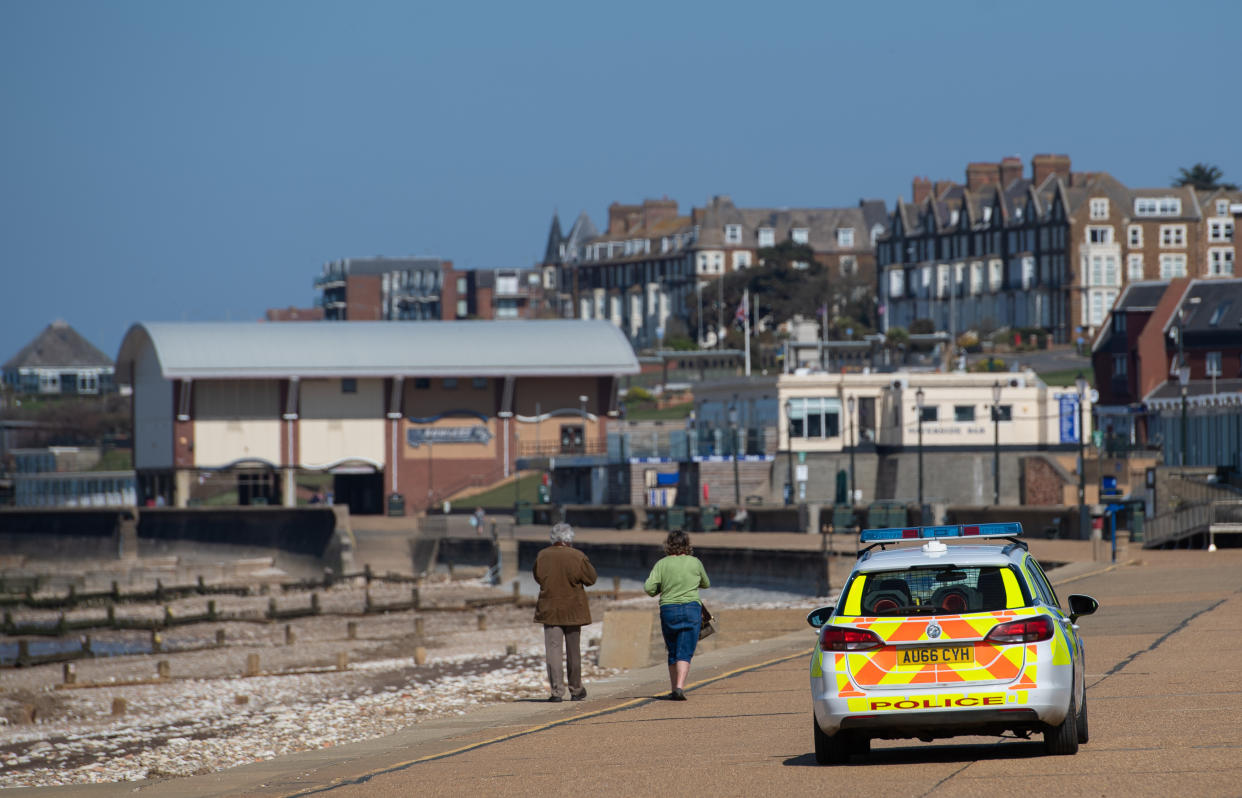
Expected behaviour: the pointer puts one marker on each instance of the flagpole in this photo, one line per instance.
(746, 325)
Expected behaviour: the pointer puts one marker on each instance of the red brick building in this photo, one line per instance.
(419, 411)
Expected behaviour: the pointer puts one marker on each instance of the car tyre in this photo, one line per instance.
(830, 749)
(1083, 733)
(1062, 739)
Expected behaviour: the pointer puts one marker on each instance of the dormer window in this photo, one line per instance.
(767, 237)
(1099, 208)
(845, 237)
(876, 232)
(987, 213)
(733, 234)
(1222, 207)
(1157, 206)
(801, 235)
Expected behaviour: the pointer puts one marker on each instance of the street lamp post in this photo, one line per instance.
(737, 484)
(849, 404)
(918, 401)
(1183, 378)
(996, 394)
(789, 450)
(1080, 383)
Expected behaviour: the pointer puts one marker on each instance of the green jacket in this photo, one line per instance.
(677, 579)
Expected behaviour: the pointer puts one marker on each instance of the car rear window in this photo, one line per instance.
(936, 591)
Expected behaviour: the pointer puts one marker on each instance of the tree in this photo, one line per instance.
(1204, 177)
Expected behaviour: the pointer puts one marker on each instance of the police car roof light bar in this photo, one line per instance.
(1010, 529)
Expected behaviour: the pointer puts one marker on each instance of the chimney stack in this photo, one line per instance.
(1044, 165)
(1010, 170)
(920, 189)
(980, 174)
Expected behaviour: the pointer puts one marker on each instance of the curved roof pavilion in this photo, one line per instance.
(237, 350)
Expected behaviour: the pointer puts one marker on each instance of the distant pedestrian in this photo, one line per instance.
(478, 520)
(677, 578)
(562, 572)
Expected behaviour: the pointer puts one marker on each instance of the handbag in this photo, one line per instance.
(707, 625)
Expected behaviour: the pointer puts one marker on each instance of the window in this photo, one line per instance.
(1101, 301)
(1104, 270)
(895, 280)
(1219, 313)
(1220, 230)
(1099, 208)
(815, 418)
(421, 383)
(1220, 261)
(1172, 235)
(461, 285)
(349, 385)
(1100, 235)
(733, 234)
(1119, 365)
(845, 237)
(478, 383)
(1222, 207)
(1213, 364)
(1003, 412)
(800, 235)
(1157, 206)
(1134, 267)
(1119, 322)
(1172, 266)
(462, 308)
(449, 383)
(767, 237)
(849, 265)
(961, 589)
(976, 278)
(1136, 235)
(930, 413)
(963, 412)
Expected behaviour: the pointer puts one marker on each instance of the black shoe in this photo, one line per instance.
(676, 695)
(555, 699)
(578, 697)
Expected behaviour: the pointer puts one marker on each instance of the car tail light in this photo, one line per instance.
(1029, 630)
(840, 638)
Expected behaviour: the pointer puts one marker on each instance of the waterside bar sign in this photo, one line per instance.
(416, 436)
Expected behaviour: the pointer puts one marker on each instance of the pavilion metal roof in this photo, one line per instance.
(222, 350)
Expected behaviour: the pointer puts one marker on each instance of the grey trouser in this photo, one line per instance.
(564, 641)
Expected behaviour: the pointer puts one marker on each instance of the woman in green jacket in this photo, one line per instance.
(676, 578)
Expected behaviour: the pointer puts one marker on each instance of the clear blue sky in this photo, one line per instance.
(203, 160)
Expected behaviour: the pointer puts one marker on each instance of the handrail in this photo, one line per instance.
(1183, 521)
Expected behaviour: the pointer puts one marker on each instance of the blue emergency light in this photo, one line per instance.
(1011, 529)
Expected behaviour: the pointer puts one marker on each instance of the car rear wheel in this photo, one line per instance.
(830, 749)
(1083, 734)
(1062, 739)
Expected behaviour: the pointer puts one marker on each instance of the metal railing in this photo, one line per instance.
(1186, 521)
(555, 448)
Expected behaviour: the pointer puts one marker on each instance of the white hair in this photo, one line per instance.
(562, 533)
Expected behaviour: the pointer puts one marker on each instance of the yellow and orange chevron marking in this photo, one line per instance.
(992, 663)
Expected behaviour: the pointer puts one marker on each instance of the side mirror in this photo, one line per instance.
(819, 617)
(1081, 605)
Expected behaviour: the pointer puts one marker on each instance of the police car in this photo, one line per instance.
(944, 638)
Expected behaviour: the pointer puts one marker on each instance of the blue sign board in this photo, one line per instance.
(419, 435)
(1069, 417)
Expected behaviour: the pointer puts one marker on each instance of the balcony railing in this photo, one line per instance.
(557, 448)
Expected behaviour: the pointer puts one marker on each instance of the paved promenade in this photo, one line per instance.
(1163, 693)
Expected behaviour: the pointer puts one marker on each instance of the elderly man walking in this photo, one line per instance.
(562, 572)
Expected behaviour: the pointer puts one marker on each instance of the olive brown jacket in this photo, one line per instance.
(562, 572)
